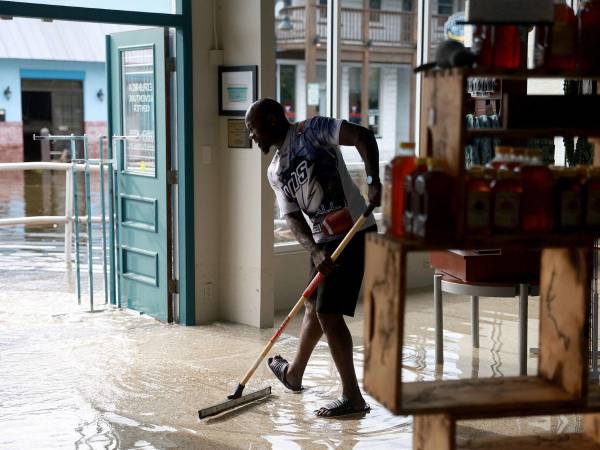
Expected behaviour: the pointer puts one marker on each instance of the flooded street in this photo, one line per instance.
(114, 379)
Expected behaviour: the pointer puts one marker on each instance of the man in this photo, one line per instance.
(309, 176)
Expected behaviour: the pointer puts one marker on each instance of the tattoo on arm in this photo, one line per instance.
(301, 230)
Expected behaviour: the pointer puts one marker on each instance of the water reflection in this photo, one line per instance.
(118, 380)
(39, 249)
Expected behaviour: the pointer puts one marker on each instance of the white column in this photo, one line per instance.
(246, 225)
(300, 91)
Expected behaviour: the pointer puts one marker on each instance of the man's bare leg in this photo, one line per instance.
(310, 333)
(340, 345)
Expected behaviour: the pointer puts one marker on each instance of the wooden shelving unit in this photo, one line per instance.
(437, 432)
(561, 383)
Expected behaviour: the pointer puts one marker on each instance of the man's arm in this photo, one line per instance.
(364, 141)
(303, 233)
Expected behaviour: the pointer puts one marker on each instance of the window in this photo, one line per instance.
(445, 7)
(286, 93)
(440, 10)
(301, 44)
(374, 7)
(390, 96)
(368, 116)
(385, 105)
(374, 88)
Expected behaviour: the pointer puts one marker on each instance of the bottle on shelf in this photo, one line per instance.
(556, 45)
(410, 198)
(498, 46)
(569, 188)
(502, 156)
(588, 15)
(482, 46)
(386, 197)
(592, 199)
(434, 219)
(519, 157)
(506, 201)
(395, 172)
(478, 201)
(537, 206)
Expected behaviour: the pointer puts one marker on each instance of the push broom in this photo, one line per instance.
(237, 399)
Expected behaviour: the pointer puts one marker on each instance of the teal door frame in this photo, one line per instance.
(182, 22)
(138, 60)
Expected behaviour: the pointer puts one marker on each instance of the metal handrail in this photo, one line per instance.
(77, 165)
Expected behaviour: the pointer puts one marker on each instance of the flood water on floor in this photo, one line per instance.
(117, 380)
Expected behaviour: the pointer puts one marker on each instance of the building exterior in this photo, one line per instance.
(53, 76)
(378, 54)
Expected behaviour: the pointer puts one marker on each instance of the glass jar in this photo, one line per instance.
(411, 200)
(478, 201)
(498, 46)
(386, 199)
(592, 199)
(557, 44)
(588, 58)
(501, 157)
(568, 191)
(537, 205)
(506, 206)
(519, 156)
(435, 220)
(402, 165)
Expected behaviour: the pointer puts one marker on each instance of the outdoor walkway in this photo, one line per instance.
(114, 379)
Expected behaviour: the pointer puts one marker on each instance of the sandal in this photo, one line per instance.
(279, 367)
(341, 407)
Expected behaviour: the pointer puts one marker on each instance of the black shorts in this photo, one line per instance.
(338, 292)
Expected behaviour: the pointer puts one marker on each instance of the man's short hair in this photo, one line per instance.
(266, 106)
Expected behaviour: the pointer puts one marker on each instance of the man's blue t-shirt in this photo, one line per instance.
(308, 174)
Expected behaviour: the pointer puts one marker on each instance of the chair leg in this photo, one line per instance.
(475, 320)
(439, 319)
(523, 318)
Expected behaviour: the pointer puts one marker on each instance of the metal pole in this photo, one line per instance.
(69, 217)
(523, 320)
(439, 319)
(88, 207)
(76, 215)
(111, 219)
(475, 320)
(102, 203)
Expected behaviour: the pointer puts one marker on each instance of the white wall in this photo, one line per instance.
(206, 166)
(233, 202)
(246, 225)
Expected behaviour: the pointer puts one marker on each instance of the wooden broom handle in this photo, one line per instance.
(318, 278)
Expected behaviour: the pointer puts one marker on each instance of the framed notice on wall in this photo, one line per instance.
(238, 89)
(237, 134)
